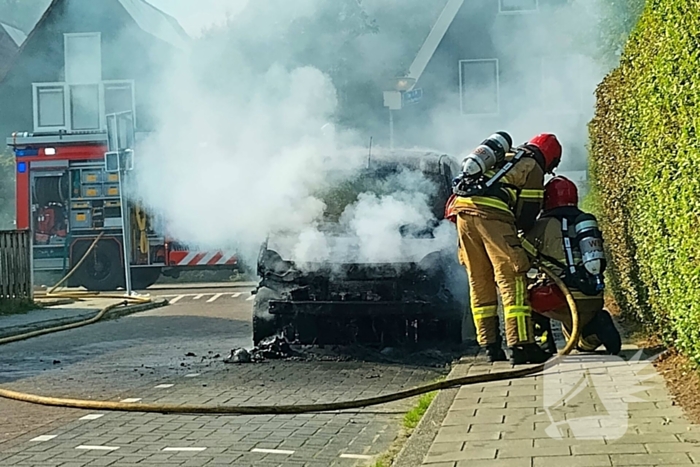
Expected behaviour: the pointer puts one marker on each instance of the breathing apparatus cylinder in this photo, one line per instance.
(489, 153)
(590, 242)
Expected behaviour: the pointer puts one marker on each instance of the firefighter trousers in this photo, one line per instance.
(587, 307)
(496, 262)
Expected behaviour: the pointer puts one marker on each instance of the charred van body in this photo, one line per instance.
(419, 297)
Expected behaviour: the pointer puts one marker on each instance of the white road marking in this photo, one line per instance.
(97, 448)
(356, 456)
(176, 299)
(131, 400)
(197, 297)
(215, 297)
(164, 386)
(192, 375)
(236, 295)
(184, 449)
(92, 416)
(42, 438)
(272, 451)
(252, 297)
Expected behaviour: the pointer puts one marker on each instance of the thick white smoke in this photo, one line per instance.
(244, 142)
(226, 169)
(233, 163)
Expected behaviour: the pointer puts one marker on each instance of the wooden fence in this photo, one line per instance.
(15, 265)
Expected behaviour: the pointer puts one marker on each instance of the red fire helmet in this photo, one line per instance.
(549, 146)
(558, 192)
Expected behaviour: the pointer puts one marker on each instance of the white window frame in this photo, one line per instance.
(35, 107)
(579, 101)
(498, 87)
(67, 116)
(66, 36)
(100, 105)
(117, 82)
(501, 11)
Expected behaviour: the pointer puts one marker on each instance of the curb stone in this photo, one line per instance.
(113, 314)
(418, 444)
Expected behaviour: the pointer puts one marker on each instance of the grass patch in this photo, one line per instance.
(409, 424)
(17, 307)
(414, 416)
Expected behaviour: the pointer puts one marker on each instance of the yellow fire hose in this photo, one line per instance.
(298, 409)
(78, 264)
(78, 294)
(66, 327)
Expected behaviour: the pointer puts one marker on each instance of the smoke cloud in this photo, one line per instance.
(226, 168)
(548, 76)
(247, 136)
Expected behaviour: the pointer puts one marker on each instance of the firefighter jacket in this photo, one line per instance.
(546, 241)
(518, 196)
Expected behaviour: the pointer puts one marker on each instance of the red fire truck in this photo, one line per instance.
(67, 199)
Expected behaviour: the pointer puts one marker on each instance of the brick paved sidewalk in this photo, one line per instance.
(505, 423)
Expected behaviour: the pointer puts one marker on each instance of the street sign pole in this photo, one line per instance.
(126, 232)
(391, 129)
(120, 159)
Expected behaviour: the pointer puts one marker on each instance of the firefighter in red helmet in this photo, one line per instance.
(490, 208)
(557, 238)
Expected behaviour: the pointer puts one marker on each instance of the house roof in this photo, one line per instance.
(156, 22)
(149, 18)
(17, 35)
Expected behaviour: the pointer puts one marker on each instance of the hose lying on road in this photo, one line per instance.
(82, 295)
(65, 327)
(321, 407)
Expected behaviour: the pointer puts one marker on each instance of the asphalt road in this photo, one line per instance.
(174, 355)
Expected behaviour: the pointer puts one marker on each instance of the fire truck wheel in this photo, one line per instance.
(264, 324)
(143, 278)
(102, 270)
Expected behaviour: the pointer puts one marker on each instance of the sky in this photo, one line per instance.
(196, 15)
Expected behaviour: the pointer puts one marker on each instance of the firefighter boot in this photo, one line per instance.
(607, 333)
(495, 353)
(543, 333)
(528, 353)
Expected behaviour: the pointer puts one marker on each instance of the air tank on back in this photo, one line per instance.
(590, 242)
(489, 153)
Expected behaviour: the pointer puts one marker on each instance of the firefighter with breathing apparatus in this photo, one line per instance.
(569, 242)
(498, 193)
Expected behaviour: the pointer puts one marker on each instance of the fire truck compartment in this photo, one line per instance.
(66, 198)
(81, 219)
(92, 176)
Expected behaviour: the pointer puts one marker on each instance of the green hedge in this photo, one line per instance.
(645, 166)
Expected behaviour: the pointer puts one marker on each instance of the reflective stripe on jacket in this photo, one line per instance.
(522, 186)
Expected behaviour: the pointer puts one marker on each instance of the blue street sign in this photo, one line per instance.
(413, 96)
